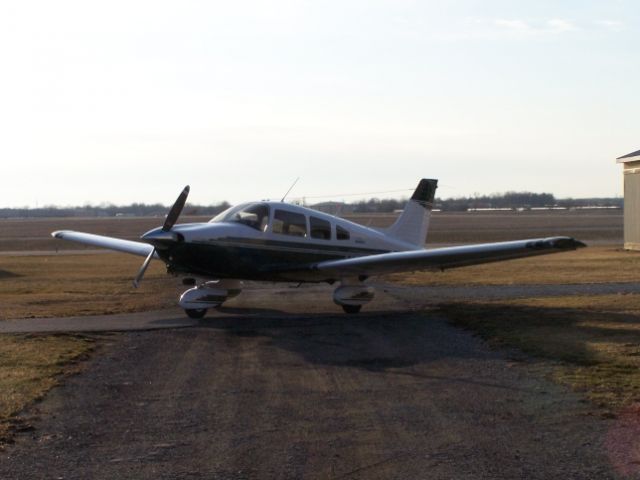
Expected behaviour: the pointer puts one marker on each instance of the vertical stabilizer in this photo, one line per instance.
(413, 223)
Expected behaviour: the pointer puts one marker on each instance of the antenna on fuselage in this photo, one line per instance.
(290, 188)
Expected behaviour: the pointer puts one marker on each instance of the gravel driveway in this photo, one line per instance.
(251, 395)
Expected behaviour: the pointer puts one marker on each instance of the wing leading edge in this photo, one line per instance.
(117, 244)
(444, 258)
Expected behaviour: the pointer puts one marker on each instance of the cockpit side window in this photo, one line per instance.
(342, 234)
(289, 223)
(255, 215)
(222, 215)
(320, 228)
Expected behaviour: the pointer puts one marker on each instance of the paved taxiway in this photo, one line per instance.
(258, 392)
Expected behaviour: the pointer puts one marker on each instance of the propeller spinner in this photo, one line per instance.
(170, 221)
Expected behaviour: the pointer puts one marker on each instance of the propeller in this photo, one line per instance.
(175, 211)
(170, 221)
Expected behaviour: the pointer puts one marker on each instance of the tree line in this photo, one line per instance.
(512, 200)
(108, 210)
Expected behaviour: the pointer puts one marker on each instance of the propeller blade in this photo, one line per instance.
(175, 211)
(147, 261)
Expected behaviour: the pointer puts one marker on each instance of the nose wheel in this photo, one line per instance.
(195, 312)
(351, 308)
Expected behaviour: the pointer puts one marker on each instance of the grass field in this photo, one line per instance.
(65, 285)
(594, 342)
(30, 365)
(446, 227)
(589, 265)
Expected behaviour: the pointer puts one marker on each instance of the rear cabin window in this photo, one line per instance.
(320, 228)
(289, 223)
(341, 233)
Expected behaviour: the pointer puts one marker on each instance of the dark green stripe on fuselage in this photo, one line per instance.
(252, 259)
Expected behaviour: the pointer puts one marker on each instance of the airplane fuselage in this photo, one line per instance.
(252, 241)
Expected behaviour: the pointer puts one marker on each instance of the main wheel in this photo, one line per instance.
(351, 308)
(195, 312)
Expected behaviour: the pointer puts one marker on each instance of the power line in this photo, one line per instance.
(357, 194)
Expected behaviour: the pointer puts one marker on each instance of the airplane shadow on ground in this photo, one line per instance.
(373, 341)
(249, 311)
(230, 313)
(7, 274)
(569, 334)
(397, 341)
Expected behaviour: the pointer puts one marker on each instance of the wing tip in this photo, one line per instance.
(568, 243)
(561, 243)
(578, 243)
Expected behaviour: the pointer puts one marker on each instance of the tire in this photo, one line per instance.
(195, 312)
(351, 309)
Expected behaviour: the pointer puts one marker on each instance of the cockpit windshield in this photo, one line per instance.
(254, 215)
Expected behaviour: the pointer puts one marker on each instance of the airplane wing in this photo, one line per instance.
(443, 258)
(126, 246)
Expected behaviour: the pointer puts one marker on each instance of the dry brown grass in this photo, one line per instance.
(67, 285)
(30, 365)
(595, 339)
(587, 265)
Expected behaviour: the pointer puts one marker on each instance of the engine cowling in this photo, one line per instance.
(353, 295)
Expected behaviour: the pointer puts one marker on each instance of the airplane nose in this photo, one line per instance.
(159, 235)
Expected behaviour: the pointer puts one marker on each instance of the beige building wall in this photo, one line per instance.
(632, 205)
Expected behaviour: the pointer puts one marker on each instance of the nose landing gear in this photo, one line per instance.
(197, 300)
(195, 312)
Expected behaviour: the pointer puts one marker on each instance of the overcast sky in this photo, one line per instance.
(128, 101)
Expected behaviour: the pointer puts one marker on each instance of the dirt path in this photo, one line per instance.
(383, 396)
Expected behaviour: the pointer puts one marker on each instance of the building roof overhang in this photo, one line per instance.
(629, 157)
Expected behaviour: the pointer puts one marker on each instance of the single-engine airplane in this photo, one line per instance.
(281, 242)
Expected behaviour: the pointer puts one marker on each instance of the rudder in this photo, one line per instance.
(413, 223)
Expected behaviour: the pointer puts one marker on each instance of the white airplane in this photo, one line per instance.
(276, 241)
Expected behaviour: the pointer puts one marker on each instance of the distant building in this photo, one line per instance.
(631, 171)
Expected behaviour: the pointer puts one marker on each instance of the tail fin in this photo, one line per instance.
(413, 223)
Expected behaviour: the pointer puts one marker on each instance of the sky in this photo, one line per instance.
(128, 101)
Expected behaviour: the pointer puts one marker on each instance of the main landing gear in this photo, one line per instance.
(352, 294)
(352, 308)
